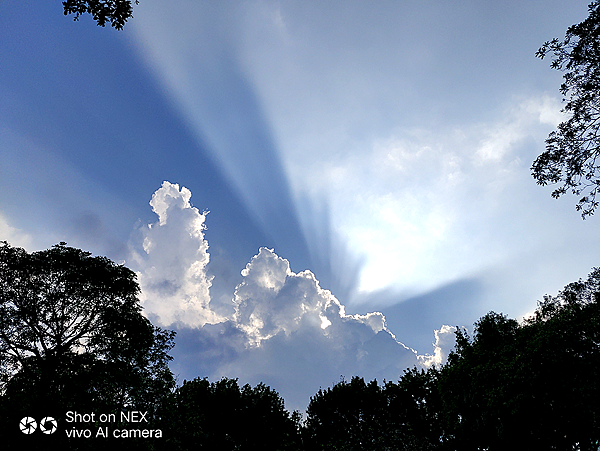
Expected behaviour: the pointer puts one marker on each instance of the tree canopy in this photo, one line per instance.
(572, 150)
(529, 385)
(114, 12)
(222, 415)
(359, 415)
(72, 335)
(513, 385)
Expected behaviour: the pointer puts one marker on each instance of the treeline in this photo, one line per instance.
(73, 342)
(532, 385)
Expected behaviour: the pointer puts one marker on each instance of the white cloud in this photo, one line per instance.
(285, 331)
(171, 263)
(272, 299)
(445, 340)
(298, 337)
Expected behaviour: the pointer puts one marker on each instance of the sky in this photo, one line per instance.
(307, 190)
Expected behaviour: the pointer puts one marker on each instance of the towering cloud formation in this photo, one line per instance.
(171, 263)
(285, 329)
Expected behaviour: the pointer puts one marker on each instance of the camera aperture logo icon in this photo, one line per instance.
(48, 425)
(28, 425)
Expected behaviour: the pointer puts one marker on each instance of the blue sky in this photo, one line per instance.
(384, 147)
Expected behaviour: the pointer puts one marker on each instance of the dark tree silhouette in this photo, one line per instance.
(115, 12)
(477, 385)
(530, 385)
(347, 416)
(357, 415)
(524, 385)
(413, 416)
(221, 415)
(72, 336)
(572, 151)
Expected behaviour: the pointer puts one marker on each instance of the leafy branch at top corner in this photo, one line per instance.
(114, 12)
(572, 150)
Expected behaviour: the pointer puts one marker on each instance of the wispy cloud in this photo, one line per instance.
(415, 203)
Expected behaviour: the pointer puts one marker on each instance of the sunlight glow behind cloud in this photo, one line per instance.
(406, 193)
(414, 203)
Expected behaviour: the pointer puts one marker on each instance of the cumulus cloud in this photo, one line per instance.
(290, 333)
(171, 261)
(445, 340)
(285, 330)
(272, 299)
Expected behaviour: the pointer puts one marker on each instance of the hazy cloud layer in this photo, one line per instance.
(414, 202)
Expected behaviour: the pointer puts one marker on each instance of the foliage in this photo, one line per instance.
(348, 416)
(532, 385)
(528, 385)
(477, 384)
(572, 151)
(357, 415)
(221, 415)
(115, 12)
(414, 405)
(72, 336)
